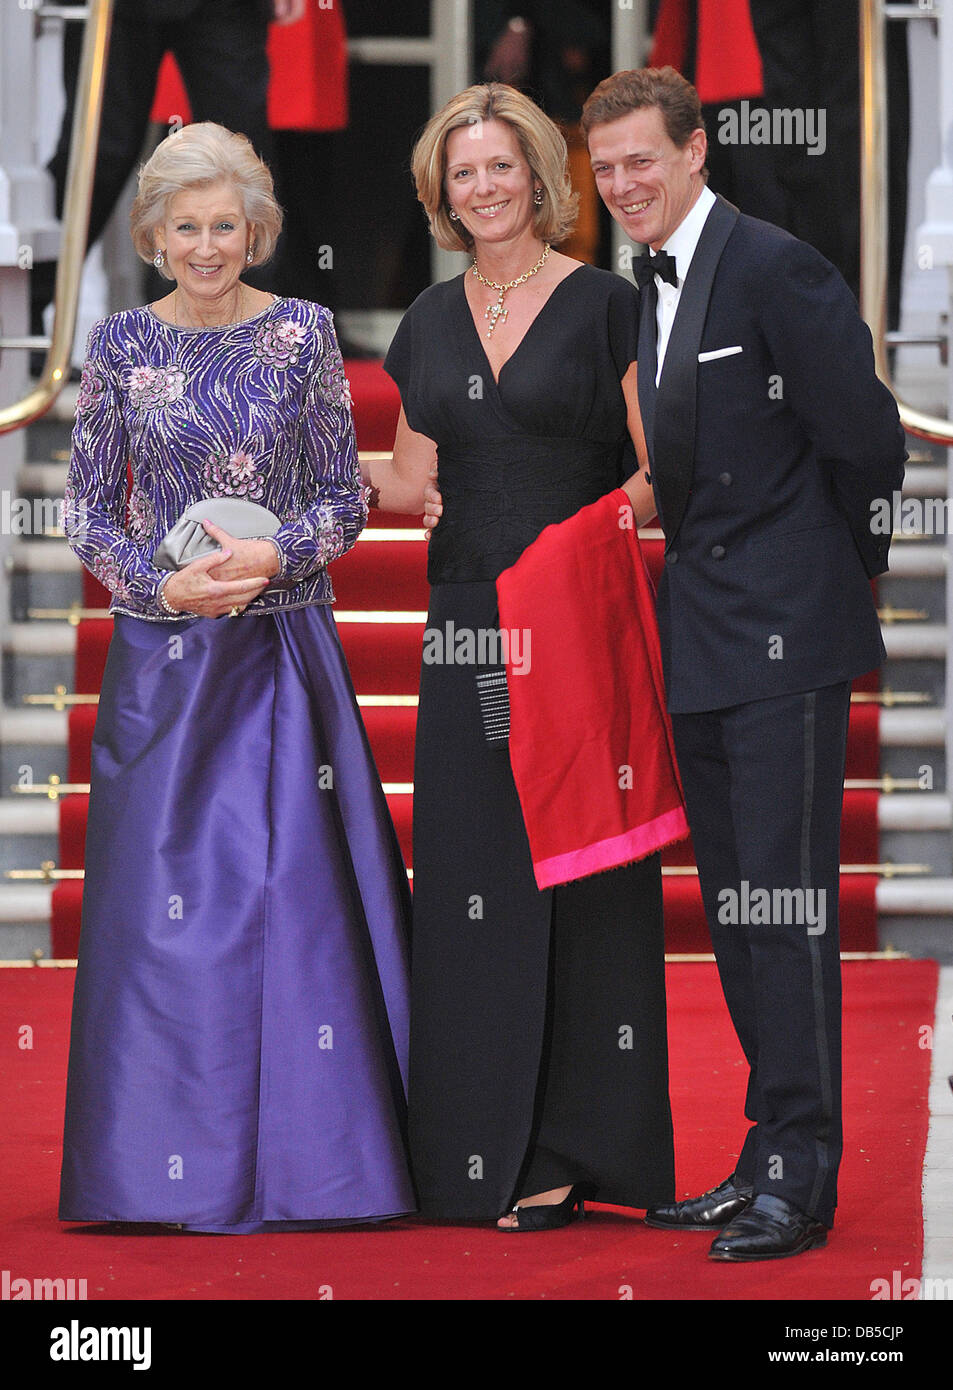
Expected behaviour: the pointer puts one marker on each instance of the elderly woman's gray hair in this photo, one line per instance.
(194, 157)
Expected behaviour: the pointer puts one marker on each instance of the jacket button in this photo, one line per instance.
(718, 552)
(725, 479)
(672, 557)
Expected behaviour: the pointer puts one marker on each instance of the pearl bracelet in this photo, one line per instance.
(165, 605)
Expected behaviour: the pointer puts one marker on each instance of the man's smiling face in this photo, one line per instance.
(645, 180)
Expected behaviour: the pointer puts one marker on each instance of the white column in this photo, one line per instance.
(935, 235)
(28, 230)
(26, 191)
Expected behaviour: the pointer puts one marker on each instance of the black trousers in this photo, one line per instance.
(763, 787)
(220, 50)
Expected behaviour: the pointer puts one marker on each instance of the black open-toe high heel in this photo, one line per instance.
(553, 1216)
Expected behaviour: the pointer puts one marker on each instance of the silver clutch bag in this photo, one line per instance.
(188, 538)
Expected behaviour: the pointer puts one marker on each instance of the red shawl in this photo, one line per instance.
(590, 741)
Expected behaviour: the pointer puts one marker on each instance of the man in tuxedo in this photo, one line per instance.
(769, 438)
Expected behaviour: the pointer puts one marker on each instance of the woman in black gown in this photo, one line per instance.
(538, 1067)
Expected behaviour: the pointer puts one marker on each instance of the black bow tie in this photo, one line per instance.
(661, 264)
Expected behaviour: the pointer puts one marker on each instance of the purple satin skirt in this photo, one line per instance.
(240, 1018)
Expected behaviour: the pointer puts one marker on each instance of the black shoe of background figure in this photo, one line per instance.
(709, 1212)
(769, 1229)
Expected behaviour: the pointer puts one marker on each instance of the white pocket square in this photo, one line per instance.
(719, 352)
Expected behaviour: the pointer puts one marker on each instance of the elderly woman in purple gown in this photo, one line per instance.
(238, 1047)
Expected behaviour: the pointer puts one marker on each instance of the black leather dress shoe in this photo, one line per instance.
(769, 1229)
(709, 1212)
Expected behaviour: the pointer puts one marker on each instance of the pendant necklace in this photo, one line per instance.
(495, 312)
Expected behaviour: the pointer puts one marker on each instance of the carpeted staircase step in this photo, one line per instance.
(391, 733)
(38, 736)
(379, 575)
(385, 657)
(376, 404)
(858, 832)
(685, 924)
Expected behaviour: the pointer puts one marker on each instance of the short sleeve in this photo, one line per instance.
(623, 324)
(402, 364)
(398, 362)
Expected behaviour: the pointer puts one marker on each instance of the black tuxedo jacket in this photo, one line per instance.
(769, 438)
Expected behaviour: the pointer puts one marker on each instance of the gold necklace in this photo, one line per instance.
(495, 312)
(175, 315)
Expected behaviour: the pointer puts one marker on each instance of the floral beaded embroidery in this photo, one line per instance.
(106, 569)
(150, 388)
(232, 475)
(140, 514)
(279, 344)
(327, 533)
(91, 387)
(68, 508)
(333, 384)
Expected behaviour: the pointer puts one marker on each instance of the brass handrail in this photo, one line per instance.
(76, 205)
(873, 214)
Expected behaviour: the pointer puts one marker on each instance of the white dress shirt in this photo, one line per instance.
(681, 244)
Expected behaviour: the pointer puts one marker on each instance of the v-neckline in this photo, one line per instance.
(540, 312)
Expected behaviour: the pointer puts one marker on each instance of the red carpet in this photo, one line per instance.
(610, 1256)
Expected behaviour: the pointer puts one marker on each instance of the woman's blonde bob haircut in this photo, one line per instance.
(541, 142)
(194, 157)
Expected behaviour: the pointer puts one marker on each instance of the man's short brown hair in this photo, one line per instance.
(665, 88)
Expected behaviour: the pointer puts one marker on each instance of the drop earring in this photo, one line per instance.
(158, 259)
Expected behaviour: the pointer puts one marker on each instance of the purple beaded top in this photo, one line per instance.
(258, 409)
